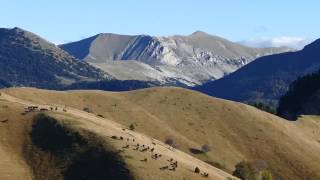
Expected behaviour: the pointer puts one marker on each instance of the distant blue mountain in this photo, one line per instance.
(266, 78)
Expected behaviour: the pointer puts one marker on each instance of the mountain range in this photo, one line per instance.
(188, 60)
(28, 60)
(120, 62)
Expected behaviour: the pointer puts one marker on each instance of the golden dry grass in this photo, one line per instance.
(12, 163)
(79, 120)
(234, 131)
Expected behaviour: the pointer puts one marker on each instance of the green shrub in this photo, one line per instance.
(244, 171)
(205, 148)
(87, 109)
(264, 107)
(171, 142)
(132, 127)
(266, 175)
(255, 170)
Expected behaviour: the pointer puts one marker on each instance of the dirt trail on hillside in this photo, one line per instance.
(115, 129)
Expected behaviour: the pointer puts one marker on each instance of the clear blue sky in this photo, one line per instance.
(68, 20)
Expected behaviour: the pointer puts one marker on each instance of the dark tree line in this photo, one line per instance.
(299, 94)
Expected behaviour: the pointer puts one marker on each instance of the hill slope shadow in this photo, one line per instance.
(61, 153)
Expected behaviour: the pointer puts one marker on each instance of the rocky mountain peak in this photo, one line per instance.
(191, 59)
(199, 33)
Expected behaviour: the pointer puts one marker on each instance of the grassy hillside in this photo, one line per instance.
(77, 144)
(233, 131)
(28, 60)
(12, 164)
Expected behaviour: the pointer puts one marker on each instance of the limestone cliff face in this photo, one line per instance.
(190, 60)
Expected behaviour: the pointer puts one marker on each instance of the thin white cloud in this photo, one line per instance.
(284, 41)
